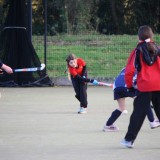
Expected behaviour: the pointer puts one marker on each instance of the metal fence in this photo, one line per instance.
(105, 55)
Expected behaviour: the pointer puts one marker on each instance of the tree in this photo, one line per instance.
(104, 16)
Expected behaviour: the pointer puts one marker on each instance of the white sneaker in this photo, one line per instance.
(128, 144)
(82, 110)
(110, 128)
(154, 124)
(125, 112)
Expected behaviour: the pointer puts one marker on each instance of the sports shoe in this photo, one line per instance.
(128, 144)
(154, 124)
(110, 128)
(125, 112)
(82, 110)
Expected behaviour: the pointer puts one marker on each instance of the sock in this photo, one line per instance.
(150, 115)
(114, 116)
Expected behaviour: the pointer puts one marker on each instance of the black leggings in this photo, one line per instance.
(141, 104)
(156, 103)
(80, 89)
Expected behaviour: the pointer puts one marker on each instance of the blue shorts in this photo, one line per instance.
(121, 92)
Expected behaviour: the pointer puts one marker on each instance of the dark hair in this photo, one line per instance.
(70, 57)
(152, 48)
(145, 32)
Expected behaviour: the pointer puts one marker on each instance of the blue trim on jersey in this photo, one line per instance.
(120, 81)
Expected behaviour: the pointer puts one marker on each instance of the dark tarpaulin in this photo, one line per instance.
(17, 51)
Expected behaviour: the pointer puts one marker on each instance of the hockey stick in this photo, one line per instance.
(30, 69)
(105, 84)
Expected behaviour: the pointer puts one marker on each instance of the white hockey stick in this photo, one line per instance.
(30, 69)
(105, 84)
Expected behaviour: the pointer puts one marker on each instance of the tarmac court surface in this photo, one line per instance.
(43, 124)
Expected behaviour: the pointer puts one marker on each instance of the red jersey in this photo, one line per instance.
(74, 71)
(130, 70)
(147, 78)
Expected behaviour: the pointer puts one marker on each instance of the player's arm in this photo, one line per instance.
(130, 70)
(84, 71)
(5, 67)
(82, 79)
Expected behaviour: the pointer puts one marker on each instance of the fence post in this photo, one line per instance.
(29, 28)
(45, 32)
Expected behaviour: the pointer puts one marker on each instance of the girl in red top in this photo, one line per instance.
(78, 71)
(145, 58)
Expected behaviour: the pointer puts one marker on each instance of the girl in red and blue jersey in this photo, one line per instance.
(120, 94)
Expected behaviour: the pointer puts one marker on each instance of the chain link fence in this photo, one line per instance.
(105, 55)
